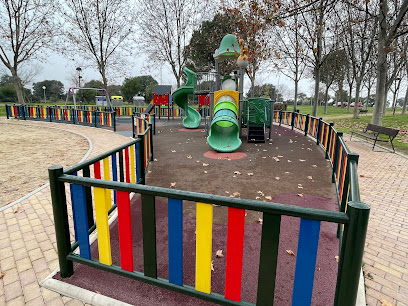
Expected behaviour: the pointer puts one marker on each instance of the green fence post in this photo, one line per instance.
(336, 155)
(292, 123)
(142, 159)
(151, 141)
(49, 113)
(59, 207)
(133, 126)
(319, 131)
(351, 257)
(24, 111)
(114, 121)
(95, 118)
(307, 124)
(7, 113)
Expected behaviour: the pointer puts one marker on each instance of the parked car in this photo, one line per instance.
(359, 104)
(339, 104)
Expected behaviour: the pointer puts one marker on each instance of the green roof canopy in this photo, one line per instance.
(229, 48)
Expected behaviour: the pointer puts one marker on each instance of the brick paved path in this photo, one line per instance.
(28, 251)
(28, 248)
(384, 186)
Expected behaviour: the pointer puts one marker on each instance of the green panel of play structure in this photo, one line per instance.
(229, 47)
(192, 118)
(257, 111)
(226, 105)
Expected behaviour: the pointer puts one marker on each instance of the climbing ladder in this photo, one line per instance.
(256, 124)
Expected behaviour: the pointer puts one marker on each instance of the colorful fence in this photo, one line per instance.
(142, 124)
(110, 193)
(60, 114)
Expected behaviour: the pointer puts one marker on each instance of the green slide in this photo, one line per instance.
(224, 130)
(192, 118)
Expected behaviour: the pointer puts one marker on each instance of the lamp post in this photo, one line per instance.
(44, 88)
(79, 76)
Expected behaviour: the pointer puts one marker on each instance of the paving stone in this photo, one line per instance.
(12, 291)
(36, 302)
(27, 277)
(10, 276)
(19, 301)
(31, 292)
(39, 265)
(23, 264)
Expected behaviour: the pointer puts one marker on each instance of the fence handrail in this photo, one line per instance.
(100, 157)
(273, 208)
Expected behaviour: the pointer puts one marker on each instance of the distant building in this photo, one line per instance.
(161, 94)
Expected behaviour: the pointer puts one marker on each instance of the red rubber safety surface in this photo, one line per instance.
(225, 156)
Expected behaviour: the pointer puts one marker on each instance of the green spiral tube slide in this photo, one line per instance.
(224, 130)
(192, 118)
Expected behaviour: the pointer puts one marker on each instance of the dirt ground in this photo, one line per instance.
(27, 151)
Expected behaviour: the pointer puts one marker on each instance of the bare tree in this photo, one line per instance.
(99, 31)
(389, 22)
(289, 57)
(26, 28)
(165, 30)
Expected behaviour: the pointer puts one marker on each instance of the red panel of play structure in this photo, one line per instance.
(160, 99)
(203, 100)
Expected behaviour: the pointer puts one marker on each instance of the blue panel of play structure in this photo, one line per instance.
(114, 174)
(175, 215)
(80, 219)
(306, 262)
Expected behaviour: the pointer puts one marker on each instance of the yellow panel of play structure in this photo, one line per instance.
(232, 93)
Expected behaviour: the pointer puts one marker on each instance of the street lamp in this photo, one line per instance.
(79, 76)
(44, 88)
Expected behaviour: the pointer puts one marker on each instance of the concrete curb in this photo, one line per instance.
(361, 300)
(47, 184)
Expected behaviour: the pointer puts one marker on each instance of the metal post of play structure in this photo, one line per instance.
(241, 97)
(272, 116)
(217, 75)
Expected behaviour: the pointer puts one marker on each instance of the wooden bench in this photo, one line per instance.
(373, 131)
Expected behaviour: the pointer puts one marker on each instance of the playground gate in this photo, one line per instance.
(111, 193)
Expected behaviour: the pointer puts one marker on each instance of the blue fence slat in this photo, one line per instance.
(175, 215)
(305, 262)
(114, 174)
(80, 216)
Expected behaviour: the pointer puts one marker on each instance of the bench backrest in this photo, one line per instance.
(382, 130)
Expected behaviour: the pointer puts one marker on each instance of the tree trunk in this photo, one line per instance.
(368, 96)
(381, 66)
(357, 100)
(18, 87)
(296, 94)
(326, 96)
(349, 98)
(316, 95)
(404, 106)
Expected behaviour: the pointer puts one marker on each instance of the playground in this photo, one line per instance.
(289, 170)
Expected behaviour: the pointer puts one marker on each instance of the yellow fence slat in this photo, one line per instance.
(102, 226)
(203, 247)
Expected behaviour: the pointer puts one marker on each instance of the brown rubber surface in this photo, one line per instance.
(292, 170)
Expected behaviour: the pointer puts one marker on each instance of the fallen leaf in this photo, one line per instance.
(384, 302)
(219, 254)
(205, 172)
(300, 187)
(337, 258)
(18, 210)
(173, 151)
(268, 198)
(155, 159)
(236, 194)
(250, 174)
(309, 149)
(257, 198)
(289, 161)
(227, 192)
(362, 175)
(260, 220)
(189, 157)
(2, 275)
(290, 141)
(263, 156)
(300, 195)
(314, 166)
(310, 178)
(212, 265)
(237, 173)
(205, 165)
(280, 156)
(287, 172)
(173, 184)
(260, 192)
(302, 160)
(276, 159)
(264, 150)
(231, 196)
(290, 252)
(277, 178)
(197, 161)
